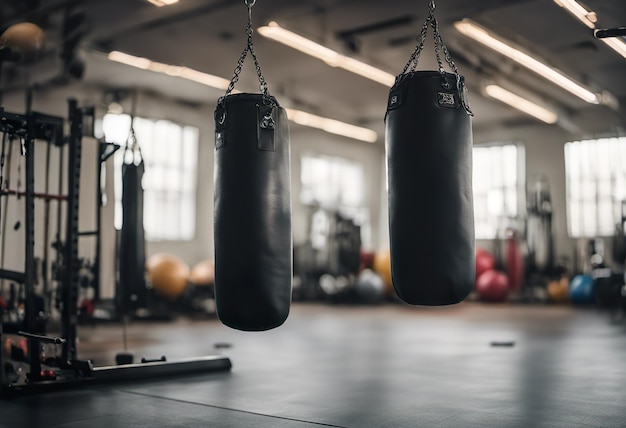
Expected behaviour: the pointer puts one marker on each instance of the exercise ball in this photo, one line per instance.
(24, 38)
(369, 287)
(203, 273)
(558, 290)
(484, 261)
(167, 274)
(581, 289)
(382, 266)
(492, 286)
(367, 259)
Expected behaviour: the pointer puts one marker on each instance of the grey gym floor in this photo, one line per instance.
(387, 366)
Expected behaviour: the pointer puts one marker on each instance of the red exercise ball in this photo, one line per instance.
(484, 261)
(492, 286)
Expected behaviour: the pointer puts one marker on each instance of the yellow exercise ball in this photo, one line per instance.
(24, 38)
(203, 273)
(382, 266)
(167, 274)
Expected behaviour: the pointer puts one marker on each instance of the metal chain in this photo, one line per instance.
(418, 49)
(440, 46)
(413, 59)
(249, 48)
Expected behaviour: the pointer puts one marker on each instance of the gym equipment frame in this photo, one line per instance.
(64, 370)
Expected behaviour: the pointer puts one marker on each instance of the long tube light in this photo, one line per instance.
(333, 58)
(160, 3)
(521, 104)
(589, 18)
(170, 70)
(300, 117)
(586, 17)
(481, 35)
(332, 126)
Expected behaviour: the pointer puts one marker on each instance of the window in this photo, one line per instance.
(331, 182)
(170, 154)
(498, 184)
(596, 184)
(335, 183)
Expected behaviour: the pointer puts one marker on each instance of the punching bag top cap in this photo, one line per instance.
(448, 88)
(248, 97)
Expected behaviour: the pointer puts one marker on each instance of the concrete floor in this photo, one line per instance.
(342, 366)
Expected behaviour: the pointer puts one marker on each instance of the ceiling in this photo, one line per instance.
(208, 35)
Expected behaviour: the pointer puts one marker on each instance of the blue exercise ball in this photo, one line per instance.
(581, 289)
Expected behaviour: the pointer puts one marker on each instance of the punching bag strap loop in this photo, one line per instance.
(249, 48)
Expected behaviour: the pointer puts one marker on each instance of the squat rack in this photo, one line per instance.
(66, 370)
(28, 128)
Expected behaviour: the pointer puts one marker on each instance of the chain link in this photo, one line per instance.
(440, 46)
(249, 48)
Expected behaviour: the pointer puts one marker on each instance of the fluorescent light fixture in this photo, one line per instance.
(333, 58)
(589, 18)
(160, 3)
(522, 104)
(616, 44)
(586, 17)
(332, 126)
(170, 70)
(300, 117)
(481, 35)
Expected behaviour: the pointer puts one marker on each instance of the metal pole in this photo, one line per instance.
(70, 278)
(31, 313)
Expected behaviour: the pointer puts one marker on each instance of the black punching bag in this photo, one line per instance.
(132, 291)
(429, 169)
(252, 203)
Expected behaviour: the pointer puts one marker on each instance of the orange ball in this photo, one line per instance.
(25, 38)
(382, 266)
(167, 274)
(203, 273)
(558, 290)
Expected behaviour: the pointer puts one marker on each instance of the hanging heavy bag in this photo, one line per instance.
(429, 165)
(253, 243)
(132, 293)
